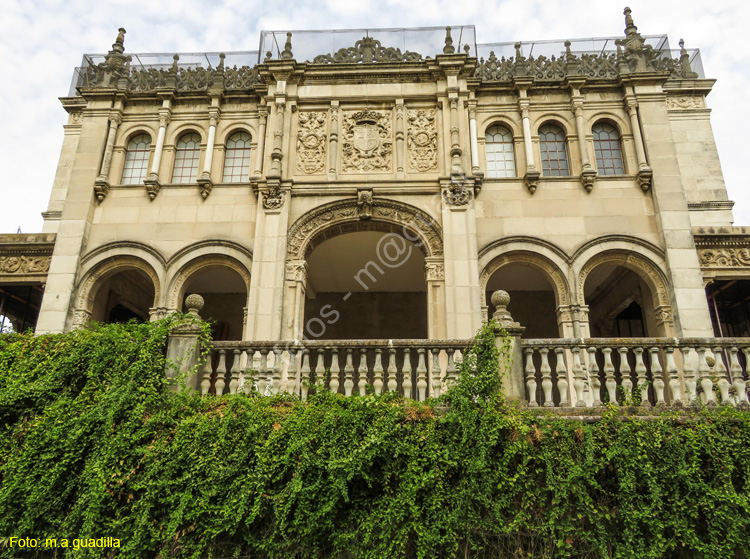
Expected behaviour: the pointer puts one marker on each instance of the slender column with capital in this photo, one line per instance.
(101, 184)
(262, 117)
(473, 137)
(644, 171)
(152, 181)
(399, 138)
(532, 174)
(204, 181)
(456, 151)
(278, 136)
(334, 143)
(588, 173)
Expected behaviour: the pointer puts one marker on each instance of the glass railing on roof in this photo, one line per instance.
(367, 45)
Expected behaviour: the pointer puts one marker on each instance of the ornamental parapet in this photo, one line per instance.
(723, 250)
(25, 258)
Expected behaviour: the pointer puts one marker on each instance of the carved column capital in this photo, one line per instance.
(164, 119)
(115, 119)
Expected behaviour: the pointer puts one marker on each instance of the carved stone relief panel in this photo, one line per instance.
(21, 265)
(311, 142)
(422, 140)
(367, 141)
(724, 257)
(685, 102)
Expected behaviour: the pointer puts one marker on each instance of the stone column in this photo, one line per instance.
(435, 278)
(400, 138)
(588, 173)
(456, 151)
(152, 181)
(260, 153)
(333, 150)
(293, 327)
(473, 137)
(205, 182)
(645, 172)
(183, 351)
(101, 184)
(531, 178)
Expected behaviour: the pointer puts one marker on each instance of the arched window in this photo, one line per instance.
(499, 151)
(607, 149)
(554, 154)
(136, 159)
(186, 159)
(237, 158)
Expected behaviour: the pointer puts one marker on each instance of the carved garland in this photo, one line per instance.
(411, 219)
(724, 257)
(557, 277)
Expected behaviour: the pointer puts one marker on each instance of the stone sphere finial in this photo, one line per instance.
(500, 298)
(194, 304)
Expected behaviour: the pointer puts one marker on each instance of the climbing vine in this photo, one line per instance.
(94, 446)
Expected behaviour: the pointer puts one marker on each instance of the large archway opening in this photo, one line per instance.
(365, 285)
(225, 295)
(621, 304)
(532, 298)
(124, 295)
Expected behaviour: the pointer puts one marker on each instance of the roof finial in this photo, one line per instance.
(630, 27)
(682, 47)
(119, 45)
(448, 48)
(687, 70)
(287, 52)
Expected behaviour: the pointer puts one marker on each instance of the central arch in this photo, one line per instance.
(351, 231)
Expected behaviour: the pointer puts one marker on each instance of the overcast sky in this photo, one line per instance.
(41, 41)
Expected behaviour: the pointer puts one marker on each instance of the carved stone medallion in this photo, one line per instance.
(422, 140)
(311, 142)
(367, 143)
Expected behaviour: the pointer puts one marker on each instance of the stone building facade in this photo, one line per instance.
(384, 188)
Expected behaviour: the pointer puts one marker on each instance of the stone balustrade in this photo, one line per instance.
(415, 368)
(561, 373)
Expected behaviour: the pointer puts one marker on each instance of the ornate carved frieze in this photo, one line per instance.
(24, 264)
(724, 257)
(367, 141)
(311, 142)
(675, 103)
(422, 140)
(367, 50)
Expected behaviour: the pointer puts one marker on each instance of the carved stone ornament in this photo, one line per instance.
(24, 264)
(367, 142)
(296, 270)
(644, 177)
(76, 117)
(434, 271)
(364, 204)
(663, 314)
(422, 140)
(724, 257)
(457, 194)
(311, 142)
(367, 50)
(273, 199)
(81, 317)
(685, 102)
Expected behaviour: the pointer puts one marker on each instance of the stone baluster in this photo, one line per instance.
(291, 384)
(421, 375)
(206, 376)
(221, 373)
(435, 373)
(377, 382)
(561, 370)
(531, 378)
(626, 381)
(392, 371)
(362, 370)
(234, 373)
(546, 378)
(348, 373)
(264, 381)
(320, 368)
(737, 380)
(641, 380)
(705, 377)
(451, 372)
(305, 374)
(333, 384)
(250, 372)
(243, 372)
(609, 375)
(596, 383)
(406, 374)
(656, 376)
(674, 381)
(689, 375)
(721, 373)
(578, 377)
(276, 371)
